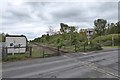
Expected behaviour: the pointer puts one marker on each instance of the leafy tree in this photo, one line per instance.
(118, 27)
(82, 35)
(64, 28)
(113, 28)
(47, 37)
(100, 26)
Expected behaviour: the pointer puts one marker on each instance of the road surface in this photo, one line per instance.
(72, 65)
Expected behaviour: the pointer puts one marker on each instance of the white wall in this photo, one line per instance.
(16, 41)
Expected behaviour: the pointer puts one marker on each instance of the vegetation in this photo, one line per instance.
(69, 38)
(16, 57)
(108, 40)
(37, 52)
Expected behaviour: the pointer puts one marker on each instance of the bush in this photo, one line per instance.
(106, 40)
(97, 47)
(91, 47)
(107, 43)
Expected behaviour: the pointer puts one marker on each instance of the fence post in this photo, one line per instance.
(75, 48)
(43, 52)
(84, 47)
(30, 52)
(4, 52)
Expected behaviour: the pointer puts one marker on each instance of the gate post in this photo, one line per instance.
(4, 52)
(84, 47)
(30, 52)
(43, 53)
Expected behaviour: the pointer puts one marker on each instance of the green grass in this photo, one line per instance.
(69, 48)
(16, 57)
(110, 47)
(24, 56)
(37, 53)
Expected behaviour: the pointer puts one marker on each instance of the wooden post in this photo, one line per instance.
(43, 54)
(75, 48)
(6, 51)
(84, 47)
(112, 40)
(30, 52)
(3, 52)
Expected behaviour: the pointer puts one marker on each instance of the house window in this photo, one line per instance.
(11, 44)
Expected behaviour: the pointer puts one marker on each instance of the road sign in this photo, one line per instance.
(89, 33)
(88, 42)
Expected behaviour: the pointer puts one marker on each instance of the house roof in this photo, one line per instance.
(16, 36)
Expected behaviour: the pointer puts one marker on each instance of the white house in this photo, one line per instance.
(15, 43)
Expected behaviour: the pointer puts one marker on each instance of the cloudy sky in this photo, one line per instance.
(34, 18)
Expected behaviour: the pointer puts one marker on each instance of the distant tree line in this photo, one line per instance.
(104, 28)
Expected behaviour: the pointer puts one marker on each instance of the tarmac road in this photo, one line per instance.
(72, 65)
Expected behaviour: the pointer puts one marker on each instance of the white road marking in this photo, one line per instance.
(85, 53)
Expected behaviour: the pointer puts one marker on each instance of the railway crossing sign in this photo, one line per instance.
(89, 33)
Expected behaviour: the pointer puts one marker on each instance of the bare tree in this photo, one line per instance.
(51, 30)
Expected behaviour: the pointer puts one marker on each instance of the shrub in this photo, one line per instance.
(106, 40)
(107, 43)
(97, 47)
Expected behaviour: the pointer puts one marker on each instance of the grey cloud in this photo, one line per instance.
(70, 15)
(19, 15)
(13, 17)
(108, 6)
(37, 3)
(66, 13)
(50, 13)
